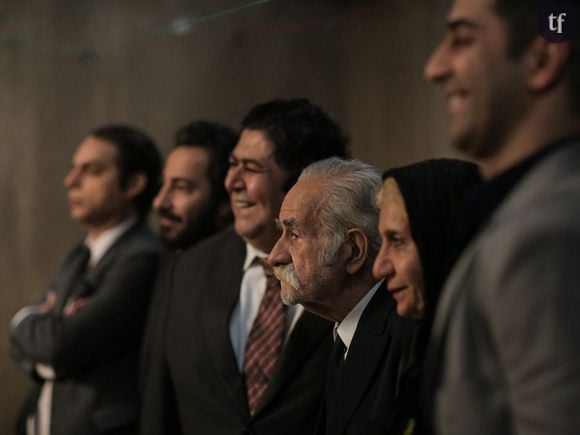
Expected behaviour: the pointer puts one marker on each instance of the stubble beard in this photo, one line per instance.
(194, 231)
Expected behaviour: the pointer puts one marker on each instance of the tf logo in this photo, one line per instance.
(557, 22)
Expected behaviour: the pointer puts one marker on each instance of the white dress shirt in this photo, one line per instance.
(347, 328)
(252, 290)
(40, 424)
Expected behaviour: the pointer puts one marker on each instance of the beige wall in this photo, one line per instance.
(68, 66)
(393, 115)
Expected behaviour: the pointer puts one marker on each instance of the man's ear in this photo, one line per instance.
(135, 184)
(358, 242)
(546, 63)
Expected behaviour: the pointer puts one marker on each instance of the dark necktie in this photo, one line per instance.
(265, 341)
(77, 287)
(335, 364)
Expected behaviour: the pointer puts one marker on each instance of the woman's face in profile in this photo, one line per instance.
(398, 259)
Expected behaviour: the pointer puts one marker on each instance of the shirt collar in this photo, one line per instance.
(481, 201)
(347, 327)
(100, 245)
(251, 254)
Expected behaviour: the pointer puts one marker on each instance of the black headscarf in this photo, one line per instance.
(433, 191)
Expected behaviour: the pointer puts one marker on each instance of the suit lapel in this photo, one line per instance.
(69, 280)
(366, 352)
(219, 302)
(539, 181)
(308, 333)
(451, 293)
(555, 170)
(94, 274)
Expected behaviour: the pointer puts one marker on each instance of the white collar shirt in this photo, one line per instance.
(347, 328)
(252, 290)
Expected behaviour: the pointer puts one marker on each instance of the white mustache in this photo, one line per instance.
(287, 274)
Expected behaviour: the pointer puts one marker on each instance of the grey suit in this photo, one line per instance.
(193, 384)
(508, 325)
(94, 352)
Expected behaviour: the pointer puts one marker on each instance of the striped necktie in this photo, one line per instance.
(265, 340)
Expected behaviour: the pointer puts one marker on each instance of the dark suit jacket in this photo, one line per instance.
(94, 352)
(368, 387)
(193, 384)
(158, 293)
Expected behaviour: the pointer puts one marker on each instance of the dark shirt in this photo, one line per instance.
(482, 200)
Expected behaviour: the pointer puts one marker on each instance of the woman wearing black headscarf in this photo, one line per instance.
(418, 226)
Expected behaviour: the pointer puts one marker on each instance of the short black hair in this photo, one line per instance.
(521, 19)
(219, 141)
(136, 152)
(301, 132)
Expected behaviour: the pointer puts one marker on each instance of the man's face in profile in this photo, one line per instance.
(485, 90)
(184, 203)
(94, 192)
(255, 183)
(311, 270)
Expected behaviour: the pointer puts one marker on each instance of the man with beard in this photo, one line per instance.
(226, 357)
(193, 203)
(324, 259)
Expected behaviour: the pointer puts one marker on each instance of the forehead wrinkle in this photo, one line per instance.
(301, 207)
(317, 203)
(306, 215)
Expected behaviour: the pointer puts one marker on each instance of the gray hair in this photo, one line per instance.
(350, 190)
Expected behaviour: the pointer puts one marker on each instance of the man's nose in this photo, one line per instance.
(161, 200)
(279, 254)
(437, 67)
(234, 178)
(72, 178)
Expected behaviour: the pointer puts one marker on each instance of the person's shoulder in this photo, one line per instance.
(547, 197)
(140, 237)
(558, 173)
(404, 328)
(224, 243)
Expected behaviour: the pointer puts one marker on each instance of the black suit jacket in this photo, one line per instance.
(368, 387)
(193, 383)
(94, 352)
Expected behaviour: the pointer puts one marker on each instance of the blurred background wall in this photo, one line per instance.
(67, 66)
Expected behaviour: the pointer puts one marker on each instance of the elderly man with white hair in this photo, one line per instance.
(324, 259)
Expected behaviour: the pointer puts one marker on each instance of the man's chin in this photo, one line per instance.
(171, 240)
(77, 215)
(466, 142)
(288, 294)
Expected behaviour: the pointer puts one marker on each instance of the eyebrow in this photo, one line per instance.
(454, 24)
(291, 223)
(174, 180)
(245, 160)
(89, 163)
